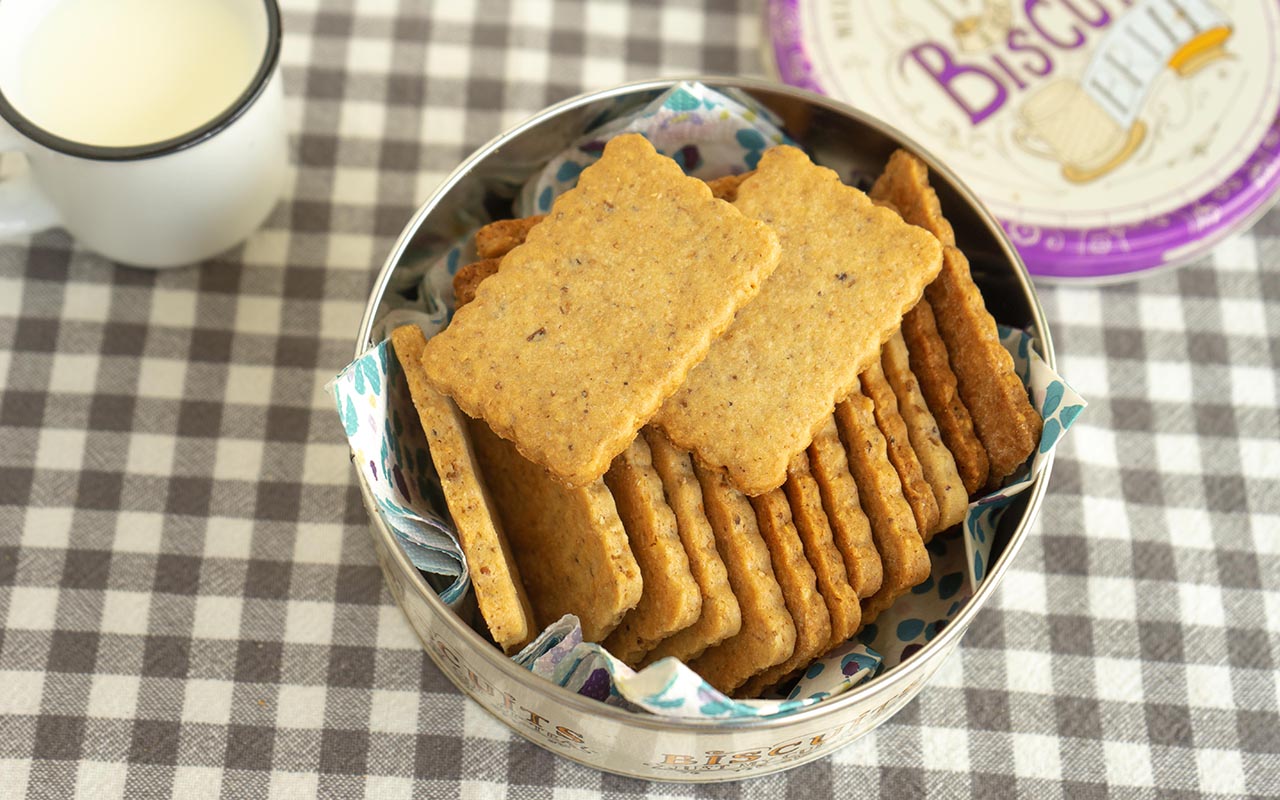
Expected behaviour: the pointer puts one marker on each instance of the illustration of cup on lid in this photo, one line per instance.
(1091, 126)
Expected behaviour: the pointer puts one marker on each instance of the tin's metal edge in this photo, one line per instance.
(587, 705)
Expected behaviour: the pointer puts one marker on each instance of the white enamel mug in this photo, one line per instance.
(162, 203)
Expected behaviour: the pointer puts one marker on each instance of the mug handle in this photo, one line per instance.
(1033, 144)
(23, 207)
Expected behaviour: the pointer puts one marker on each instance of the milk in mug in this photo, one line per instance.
(134, 72)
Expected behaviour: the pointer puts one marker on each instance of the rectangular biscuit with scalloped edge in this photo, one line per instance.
(848, 272)
(599, 315)
(902, 555)
(936, 461)
(849, 525)
(805, 603)
(1002, 416)
(820, 549)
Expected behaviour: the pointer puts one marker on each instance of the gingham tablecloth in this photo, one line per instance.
(190, 602)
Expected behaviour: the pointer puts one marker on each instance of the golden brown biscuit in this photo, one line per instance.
(569, 543)
(799, 587)
(931, 365)
(768, 635)
(726, 188)
(904, 185)
(902, 553)
(849, 525)
(936, 461)
(821, 551)
(1002, 413)
(1003, 418)
(916, 490)
(670, 601)
(499, 590)
(848, 272)
(497, 239)
(721, 617)
(468, 278)
(597, 318)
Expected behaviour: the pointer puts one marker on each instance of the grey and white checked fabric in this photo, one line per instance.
(190, 605)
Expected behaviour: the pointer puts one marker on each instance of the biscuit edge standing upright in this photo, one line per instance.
(932, 367)
(936, 461)
(901, 547)
(850, 527)
(820, 549)
(539, 515)
(915, 488)
(805, 603)
(671, 600)
(721, 616)
(904, 185)
(768, 634)
(500, 592)
(1002, 415)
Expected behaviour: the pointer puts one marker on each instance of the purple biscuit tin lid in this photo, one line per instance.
(1110, 137)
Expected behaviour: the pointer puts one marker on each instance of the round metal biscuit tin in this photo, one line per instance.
(1110, 137)
(643, 745)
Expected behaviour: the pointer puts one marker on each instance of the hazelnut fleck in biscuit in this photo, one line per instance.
(902, 553)
(499, 590)
(821, 551)
(597, 318)
(849, 525)
(849, 271)
(936, 461)
(721, 617)
(570, 544)
(916, 490)
(805, 603)
(768, 634)
(670, 601)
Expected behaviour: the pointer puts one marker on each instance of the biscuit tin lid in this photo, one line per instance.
(1109, 136)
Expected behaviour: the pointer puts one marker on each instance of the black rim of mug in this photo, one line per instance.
(266, 69)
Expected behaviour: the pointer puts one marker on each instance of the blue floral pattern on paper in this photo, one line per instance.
(372, 402)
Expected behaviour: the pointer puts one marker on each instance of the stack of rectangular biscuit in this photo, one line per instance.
(719, 433)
